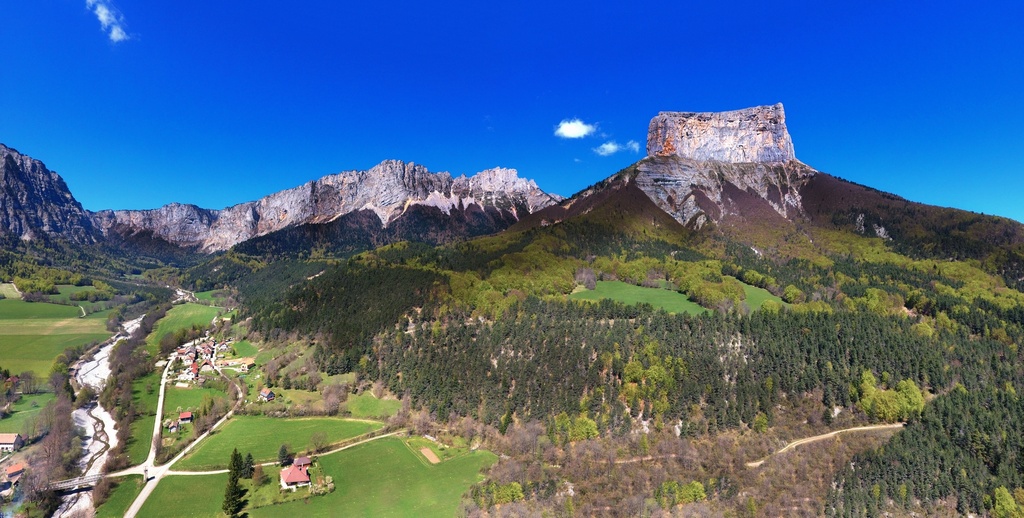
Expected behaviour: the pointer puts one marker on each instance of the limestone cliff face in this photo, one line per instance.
(388, 190)
(751, 135)
(35, 201)
(714, 166)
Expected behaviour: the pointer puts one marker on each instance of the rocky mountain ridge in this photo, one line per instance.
(35, 201)
(388, 189)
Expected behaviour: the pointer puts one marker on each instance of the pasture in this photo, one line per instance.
(26, 408)
(121, 497)
(671, 301)
(755, 297)
(32, 334)
(263, 436)
(182, 316)
(365, 405)
(386, 478)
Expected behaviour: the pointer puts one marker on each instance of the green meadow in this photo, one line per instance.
(671, 301)
(386, 478)
(145, 393)
(187, 399)
(367, 406)
(182, 316)
(263, 436)
(8, 291)
(756, 297)
(32, 334)
(26, 408)
(121, 497)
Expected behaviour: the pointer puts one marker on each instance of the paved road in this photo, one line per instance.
(158, 472)
(823, 436)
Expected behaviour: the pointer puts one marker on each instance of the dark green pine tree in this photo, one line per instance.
(236, 466)
(248, 466)
(284, 457)
(232, 497)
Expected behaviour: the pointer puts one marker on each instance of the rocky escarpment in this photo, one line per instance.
(716, 166)
(388, 190)
(35, 201)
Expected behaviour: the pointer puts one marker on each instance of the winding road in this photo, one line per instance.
(824, 436)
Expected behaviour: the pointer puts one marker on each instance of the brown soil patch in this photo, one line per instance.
(430, 455)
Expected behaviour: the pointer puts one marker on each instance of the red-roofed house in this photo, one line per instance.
(293, 477)
(14, 472)
(185, 417)
(11, 442)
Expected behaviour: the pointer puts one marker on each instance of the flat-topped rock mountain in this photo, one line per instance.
(35, 201)
(750, 135)
(717, 166)
(388, 190)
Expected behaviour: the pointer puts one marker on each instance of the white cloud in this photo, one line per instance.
(611, 147)
(574, 128)
(110, 19)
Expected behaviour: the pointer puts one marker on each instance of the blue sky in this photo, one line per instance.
(139, 103)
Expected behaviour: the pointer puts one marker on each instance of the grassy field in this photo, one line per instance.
(187, 496)
(23, 410)
(142, 428)
(366, 406)
(386, 478)
(32, 334)
(262, 436)
(8, 291)
(121, 497)
(64, 297)
(215, 297)
(244, 349)
(755, 296)
(187, 399)
(671, 301)
(182, 316)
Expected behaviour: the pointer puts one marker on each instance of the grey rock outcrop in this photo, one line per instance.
(35, 201)
(750, 135)
(713, 166)
(388, 189)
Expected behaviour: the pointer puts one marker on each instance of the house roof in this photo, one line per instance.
(302, 461)
(15, 469)
(266, 392)
(294, 475)
(185, 415)
(9, 438)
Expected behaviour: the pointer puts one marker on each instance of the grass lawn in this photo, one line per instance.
(244, 349)
(385, 478)
(8, 291)
(182, 316)
(755, 296)
(671, 301)
(187, 496)
(64, 297)
(121, 497)
(187, 399)
(366, 406)
(142, 428)
(27, 407)
(262, 436)
(32, 334)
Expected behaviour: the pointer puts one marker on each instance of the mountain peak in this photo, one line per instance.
(750, 135)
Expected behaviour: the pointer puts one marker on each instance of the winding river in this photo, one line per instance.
(97, 422)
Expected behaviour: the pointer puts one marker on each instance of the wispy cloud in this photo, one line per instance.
(608, 148)
(611, 147)
(574, 128)
(110, 19)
